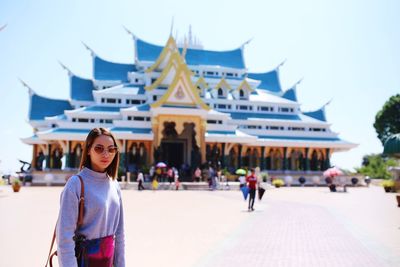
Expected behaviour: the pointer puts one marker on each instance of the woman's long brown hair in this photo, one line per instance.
(112, 169)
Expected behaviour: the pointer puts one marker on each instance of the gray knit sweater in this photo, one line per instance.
(103, 215)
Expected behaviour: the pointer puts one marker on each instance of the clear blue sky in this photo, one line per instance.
(348, 51)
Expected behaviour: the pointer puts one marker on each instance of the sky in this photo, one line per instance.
(345, 51)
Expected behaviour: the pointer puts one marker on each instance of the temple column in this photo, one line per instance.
(203, 140)
(34, 156)
(327, 160)
(124, 158)
(262, 159)
(67, 155)
(223, 157)
(121, 146)
(48, 157)
(239, 156)
(151, 153)
(285, 162)
(307, 160)
(156, 142)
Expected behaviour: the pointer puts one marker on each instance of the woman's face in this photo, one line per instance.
(102, 153)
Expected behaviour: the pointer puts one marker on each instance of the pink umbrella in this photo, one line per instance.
(332, 172)
(161, 165)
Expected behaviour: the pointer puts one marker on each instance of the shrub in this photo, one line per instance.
(387, 183)
(278, 182)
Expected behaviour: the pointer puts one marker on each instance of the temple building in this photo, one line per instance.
(183, 105)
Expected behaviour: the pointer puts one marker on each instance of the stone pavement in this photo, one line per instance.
(291, 234)
(290, 227)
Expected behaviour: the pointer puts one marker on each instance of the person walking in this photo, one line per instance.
(140, 180)
(177, 183)
(99, 240)
(242, 181)
(197, 174)
(151, 172)
(252, 184)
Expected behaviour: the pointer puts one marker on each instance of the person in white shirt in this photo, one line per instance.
(242, 181)
(140, 180)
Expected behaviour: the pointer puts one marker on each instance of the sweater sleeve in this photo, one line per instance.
(119, 257)
(66, 224)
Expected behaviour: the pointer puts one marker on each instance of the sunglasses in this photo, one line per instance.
(99, 149)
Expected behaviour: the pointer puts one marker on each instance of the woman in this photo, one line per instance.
(252, 184)
(103, 223)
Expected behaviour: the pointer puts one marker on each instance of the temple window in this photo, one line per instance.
(220, 92)
(241, 93)
(111, 100)
(222, 106)
(138, 118)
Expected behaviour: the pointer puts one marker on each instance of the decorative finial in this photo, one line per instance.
(129, 32)
(246, 43)
(185, 46)
(172, 26)
(88, 48)
(327, 103)
(30, 90)
(190, 35)
(281, 64)
(298, 82)
(65, 68)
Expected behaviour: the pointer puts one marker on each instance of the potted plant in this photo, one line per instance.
(316, 180)
(278, 183)
(288, 180)
(354, 181)
(302, 180)
(16, 184)
(388, 185)
(264, 177)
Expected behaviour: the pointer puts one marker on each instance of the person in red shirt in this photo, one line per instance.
(252, 184)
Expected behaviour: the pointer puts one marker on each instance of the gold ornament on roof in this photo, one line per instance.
(179, 93)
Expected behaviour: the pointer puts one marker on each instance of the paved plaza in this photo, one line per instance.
(290, 227)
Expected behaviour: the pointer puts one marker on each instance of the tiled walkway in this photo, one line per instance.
(299, 227)
(292, 234)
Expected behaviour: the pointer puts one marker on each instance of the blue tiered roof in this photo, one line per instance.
(269, 80)
(132, 130)
(317, 114)
(250, 115)
(230, 59)
(110, 71)
(302, 138)
(101, 109)
(290, 94)
(81, 89)
(42, 107)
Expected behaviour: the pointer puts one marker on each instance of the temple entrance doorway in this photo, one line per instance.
(173, 152)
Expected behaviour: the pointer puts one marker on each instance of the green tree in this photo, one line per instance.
(387, 120)
(375, 166)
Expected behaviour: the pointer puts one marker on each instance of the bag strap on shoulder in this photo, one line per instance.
(78, 224)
